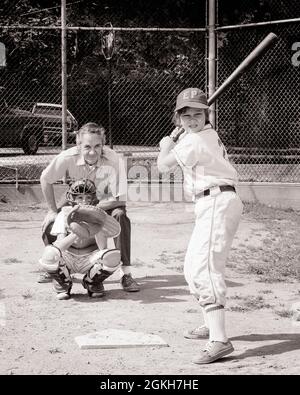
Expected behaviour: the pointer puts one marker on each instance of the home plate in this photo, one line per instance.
(117, 338)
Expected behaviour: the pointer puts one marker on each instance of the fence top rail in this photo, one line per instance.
(99, 28)
(266, 23)
(151, 29)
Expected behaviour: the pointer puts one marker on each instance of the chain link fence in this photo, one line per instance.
(257, 117)
(146, 72)
(143, 85)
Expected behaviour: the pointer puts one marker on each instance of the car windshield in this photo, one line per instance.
(57, 111)
(48, 110)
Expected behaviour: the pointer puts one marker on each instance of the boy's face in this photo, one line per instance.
(192, 119)
(91, 146)
(84, 199)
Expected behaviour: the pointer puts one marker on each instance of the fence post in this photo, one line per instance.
(108, 46)
(64, 73)
(212, 57)
(109, 104)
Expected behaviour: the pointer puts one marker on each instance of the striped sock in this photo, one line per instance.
(215, 315)
(206, 323)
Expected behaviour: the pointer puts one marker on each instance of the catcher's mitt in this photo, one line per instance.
(86, 221)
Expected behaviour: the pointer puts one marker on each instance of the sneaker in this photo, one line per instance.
(96, 294)
(201, 332)
(62, 290)
(214, 351)
(63, 295)
(45, 278)
(94, 290)
(129, 284)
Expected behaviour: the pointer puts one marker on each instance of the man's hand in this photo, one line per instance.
(50, 217)
(110, 204)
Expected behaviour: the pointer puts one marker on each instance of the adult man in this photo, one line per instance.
(91, 159)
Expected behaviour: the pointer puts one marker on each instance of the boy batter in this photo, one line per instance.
(210, 180)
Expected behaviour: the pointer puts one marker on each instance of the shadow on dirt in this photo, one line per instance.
(286, 342)
(154, 289)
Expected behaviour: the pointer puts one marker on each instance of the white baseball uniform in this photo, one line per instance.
(204, 161)
(81, 258)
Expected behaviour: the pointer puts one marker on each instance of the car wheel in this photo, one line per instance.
(30, 143)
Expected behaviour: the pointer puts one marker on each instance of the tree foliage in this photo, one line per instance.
(144, 62)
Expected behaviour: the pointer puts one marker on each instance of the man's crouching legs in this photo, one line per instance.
(60, 274)
(106, 262)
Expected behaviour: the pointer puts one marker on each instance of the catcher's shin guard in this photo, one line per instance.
(93, 280)
(108, 259)
(105, 263)
(62, 282)
(95, 286)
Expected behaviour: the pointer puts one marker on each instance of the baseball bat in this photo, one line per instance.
(253, 57)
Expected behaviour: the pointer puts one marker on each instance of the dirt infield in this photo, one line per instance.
(263, 281)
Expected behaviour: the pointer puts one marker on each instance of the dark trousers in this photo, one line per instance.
(122, 242)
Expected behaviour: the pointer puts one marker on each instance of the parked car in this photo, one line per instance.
(51, 114)
(31, 129)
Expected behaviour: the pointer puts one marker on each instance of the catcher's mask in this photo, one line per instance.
(82, 191)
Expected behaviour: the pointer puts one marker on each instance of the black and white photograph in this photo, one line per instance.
(149, 191)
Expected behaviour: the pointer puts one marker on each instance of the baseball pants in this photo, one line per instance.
(217, 220)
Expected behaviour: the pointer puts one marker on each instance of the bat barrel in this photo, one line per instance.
(249, 60)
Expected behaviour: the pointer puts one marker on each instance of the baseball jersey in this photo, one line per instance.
(108, 173)
(204, 161)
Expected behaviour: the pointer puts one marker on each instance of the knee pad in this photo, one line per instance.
(107, 259)
(50, 258)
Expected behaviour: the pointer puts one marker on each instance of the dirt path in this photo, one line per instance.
(37, 331)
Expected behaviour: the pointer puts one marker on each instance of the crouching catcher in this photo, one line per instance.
(82, 230)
